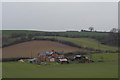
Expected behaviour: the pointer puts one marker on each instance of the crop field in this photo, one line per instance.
(32, 48)
(87, 70)
(107, 69)
(0, 70)
(85, 42)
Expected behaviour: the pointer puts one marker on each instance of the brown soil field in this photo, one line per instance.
(0, 53)
(32, 48)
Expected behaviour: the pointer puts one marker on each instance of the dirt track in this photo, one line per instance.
(32, 48)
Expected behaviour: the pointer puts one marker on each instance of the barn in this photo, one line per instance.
(50, 56)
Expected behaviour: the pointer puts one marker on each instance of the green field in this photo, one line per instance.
(107, 69)
(0, 70)
(107, 57)
(87, 70)
(9, 32)
(85, 42)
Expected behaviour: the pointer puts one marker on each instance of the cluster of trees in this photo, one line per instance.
(113, 37)
(90, 29)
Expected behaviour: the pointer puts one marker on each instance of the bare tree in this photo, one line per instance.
(91, 28)
(118, 30)
(114, 30)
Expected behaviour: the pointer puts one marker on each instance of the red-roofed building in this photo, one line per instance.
(50, 56)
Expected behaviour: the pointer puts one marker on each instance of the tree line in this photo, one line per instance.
(112, 37)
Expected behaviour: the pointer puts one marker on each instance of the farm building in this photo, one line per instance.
(50, 56)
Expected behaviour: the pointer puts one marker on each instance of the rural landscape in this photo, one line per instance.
(20, 47)
(77, 40)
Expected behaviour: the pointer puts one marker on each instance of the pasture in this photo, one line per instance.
(0, 70)
(9, 32)
(107, 69)
(87, 70)
(85, 42)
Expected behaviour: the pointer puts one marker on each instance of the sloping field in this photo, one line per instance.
(107, 57)
(87, 70)
(0, 55)
(107, 69)
(32, 48)
(9, 32)
(85, 42)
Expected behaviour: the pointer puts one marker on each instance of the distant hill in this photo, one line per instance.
(84, 39)
(9, 32)
(68, 33)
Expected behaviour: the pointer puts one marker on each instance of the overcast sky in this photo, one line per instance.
(59, 16)
(0, 15)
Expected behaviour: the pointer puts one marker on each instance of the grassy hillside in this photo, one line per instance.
(94, 70)
(85, 33)
(85, 42)
(105, 56)
(107, 69)
(0, 70)
(9, 32)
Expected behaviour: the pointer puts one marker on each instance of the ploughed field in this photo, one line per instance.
(32, 48)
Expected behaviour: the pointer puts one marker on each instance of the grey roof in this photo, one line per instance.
(45, 53)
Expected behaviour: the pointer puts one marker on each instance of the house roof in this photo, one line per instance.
(49, 53)
(45, 53)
